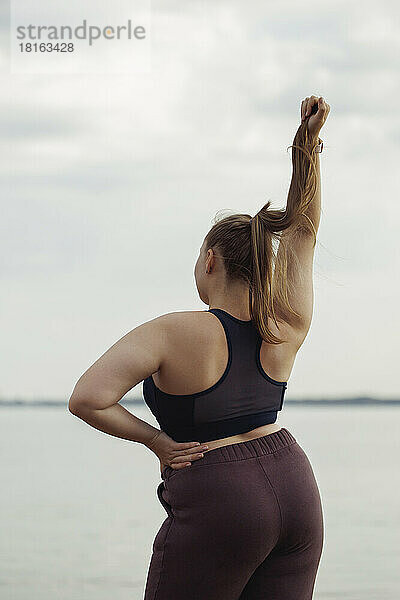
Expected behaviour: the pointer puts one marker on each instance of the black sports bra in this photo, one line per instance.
(244, 397)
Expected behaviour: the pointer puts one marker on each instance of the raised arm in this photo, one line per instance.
(296, 248)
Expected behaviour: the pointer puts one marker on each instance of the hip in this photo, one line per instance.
(243, 479)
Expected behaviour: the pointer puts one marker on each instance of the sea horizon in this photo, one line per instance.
(138, 401)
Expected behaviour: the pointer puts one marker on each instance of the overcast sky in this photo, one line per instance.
(109, 185)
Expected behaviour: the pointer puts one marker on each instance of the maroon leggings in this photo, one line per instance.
(244, 522)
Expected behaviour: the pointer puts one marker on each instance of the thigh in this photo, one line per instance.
(284, 576)
(223, 520)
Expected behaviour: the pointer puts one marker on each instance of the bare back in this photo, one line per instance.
(197, 355)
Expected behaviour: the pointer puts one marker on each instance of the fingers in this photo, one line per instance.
(181, 461)
(307, 105)
(311, 101)
(323, 110)
(189, 448)
(184, 445)
(325, 107)
(182, 452)
(181, 466)
(303, 109)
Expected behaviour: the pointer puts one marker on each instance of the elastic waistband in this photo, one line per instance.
(268, 444)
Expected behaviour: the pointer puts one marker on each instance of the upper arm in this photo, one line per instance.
(299, 247)
(126, 363)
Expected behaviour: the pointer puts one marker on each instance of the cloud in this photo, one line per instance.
(106, 180)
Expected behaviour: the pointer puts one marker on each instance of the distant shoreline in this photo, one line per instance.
(326, 403)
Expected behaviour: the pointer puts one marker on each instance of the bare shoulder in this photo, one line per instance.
(184, 317)
(179, 324)
(199, 325)
(190, 336)
(181, 316)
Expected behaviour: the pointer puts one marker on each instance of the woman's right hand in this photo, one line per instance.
(177, 455)
(316, 110)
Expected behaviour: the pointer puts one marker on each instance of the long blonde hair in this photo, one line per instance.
(247, 245)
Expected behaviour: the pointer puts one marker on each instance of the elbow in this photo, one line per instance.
(79, 406)
(75, 405)
(81, 403)
(78, 401)
(81, 398)
(87, 397)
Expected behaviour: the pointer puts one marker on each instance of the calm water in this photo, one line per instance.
(79, 509)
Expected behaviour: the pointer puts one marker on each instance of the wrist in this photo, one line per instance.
(151, 440)
(318, 146)
(314, 143)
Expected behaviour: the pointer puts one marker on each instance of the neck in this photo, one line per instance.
(236, 304)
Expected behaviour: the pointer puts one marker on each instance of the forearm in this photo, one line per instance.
(304, 196)
(313, 210)
(118, 422)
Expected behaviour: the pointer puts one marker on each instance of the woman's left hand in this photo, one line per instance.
(177, 455)
(316, 110)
